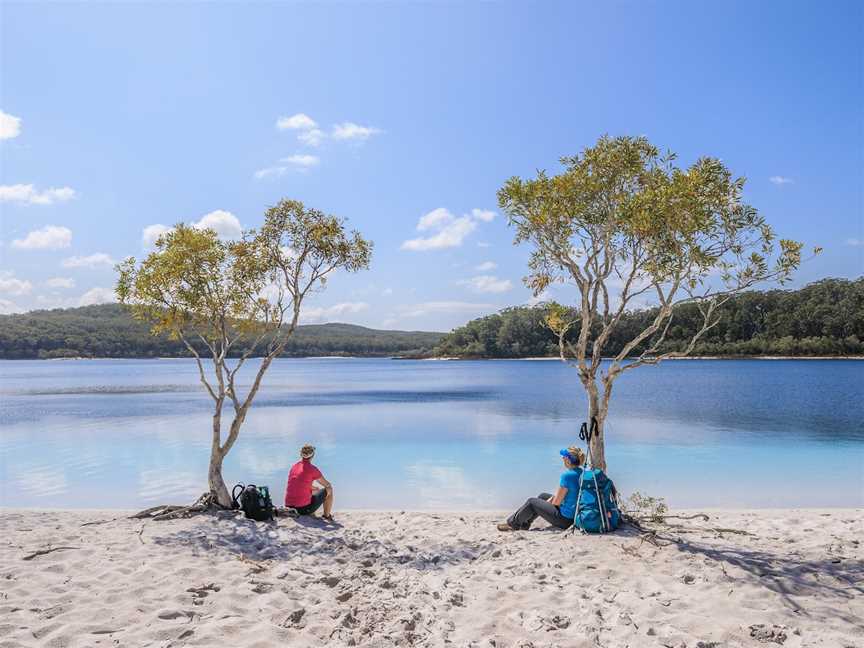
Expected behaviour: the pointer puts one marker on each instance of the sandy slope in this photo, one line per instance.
(413, 579)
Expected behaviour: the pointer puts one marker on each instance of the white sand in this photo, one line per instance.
(415, 579)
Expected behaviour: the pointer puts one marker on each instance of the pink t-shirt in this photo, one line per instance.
(298, 490)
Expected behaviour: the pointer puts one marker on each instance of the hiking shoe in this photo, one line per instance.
(329, 518)
(505, 527)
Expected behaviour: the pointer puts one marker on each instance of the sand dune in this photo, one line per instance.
(428, 579)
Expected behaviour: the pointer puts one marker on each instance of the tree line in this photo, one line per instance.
(825, 318)
(109, 331)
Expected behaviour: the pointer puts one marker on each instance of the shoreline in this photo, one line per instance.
(445, 358)
(689, 510)
(423, 580)
(721, 357)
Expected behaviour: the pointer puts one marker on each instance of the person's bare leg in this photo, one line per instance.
(328, 502)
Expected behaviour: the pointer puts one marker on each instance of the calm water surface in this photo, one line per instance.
(435, 434)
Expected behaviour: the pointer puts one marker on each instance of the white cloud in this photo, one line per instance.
(486, 266)
(328, 313)
(451, 231)
(780, 180)
(269, 172)
(60, 282)
(152, 232)
(352, 131)
(91, 261)
(12, 286)
(298, 162)
(535, 300)
(427, 308)
(487, 284)
(483, 215)
(854, 242)
(299, 121)
(311, 137)
(26, 194)
(224, 223)
(50, 237)
(301, 160)
(97, 296)
(10, 126)
(9, 308)
(451, 235)
(436, 218)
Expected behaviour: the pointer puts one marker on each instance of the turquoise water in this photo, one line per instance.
(435, 434)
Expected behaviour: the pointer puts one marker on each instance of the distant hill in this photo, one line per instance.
(108, 331)
(825, 318)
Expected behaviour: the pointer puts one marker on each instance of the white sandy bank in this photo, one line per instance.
(415, 579)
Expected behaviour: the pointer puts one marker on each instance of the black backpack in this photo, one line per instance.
(254, 501)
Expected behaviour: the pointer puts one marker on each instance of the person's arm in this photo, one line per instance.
(326, 484)
(559, 496)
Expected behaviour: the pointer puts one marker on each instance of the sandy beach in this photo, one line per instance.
(793, 578)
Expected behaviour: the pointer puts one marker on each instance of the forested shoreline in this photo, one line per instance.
(109, 331)
(825, 318)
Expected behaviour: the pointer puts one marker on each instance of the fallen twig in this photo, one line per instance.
(258, 567)
(140, 531)
(738, 531)
(662, 518)
(42, 552)
(98, 522)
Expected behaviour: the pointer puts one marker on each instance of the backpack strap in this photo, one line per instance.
(235, 494)
(604, 523)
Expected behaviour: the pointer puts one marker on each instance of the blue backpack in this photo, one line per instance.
(597, 503)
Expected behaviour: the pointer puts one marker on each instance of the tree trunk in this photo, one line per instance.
(218, 489)
(597, 445)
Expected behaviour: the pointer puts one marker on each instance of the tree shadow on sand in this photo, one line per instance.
(833, 579)
(289, 538)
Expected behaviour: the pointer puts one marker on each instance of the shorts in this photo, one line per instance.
(317, 500)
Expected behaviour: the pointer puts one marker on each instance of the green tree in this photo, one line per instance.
(215, 295)
(622, 221)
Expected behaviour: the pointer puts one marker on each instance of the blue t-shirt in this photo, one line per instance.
(570, 481)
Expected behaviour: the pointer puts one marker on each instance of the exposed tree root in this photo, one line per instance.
(651, 535)
(205, 503)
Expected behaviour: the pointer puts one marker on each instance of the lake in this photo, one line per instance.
(435, 434)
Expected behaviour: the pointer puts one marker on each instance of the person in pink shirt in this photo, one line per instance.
(300, 491)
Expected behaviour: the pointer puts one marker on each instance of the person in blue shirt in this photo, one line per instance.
(557, 509)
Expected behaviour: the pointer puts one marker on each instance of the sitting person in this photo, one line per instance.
(300, 491)
(557, 509)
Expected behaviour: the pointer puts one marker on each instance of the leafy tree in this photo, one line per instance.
(198, 288)
(622, 221)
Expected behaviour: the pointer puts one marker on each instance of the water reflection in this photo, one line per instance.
(456, 435)
(444, 486)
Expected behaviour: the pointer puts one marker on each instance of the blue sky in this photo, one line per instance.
(117, 118)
